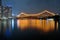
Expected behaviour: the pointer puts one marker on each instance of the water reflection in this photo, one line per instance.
(7, 33)
(12, 24)
(15, 29)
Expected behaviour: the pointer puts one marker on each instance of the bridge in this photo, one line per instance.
(31, 17)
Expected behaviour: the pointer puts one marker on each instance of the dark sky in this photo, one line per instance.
(33, 6)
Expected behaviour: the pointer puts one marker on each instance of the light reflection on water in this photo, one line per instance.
(12, 24)
(8, 33)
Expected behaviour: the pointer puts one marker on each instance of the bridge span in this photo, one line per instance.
(31, 17)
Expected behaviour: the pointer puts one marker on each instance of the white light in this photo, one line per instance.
(49, 19)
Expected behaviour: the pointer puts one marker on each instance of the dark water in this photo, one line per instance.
(17, 34)
(29, 34)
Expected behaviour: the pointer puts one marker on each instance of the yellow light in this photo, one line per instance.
(44, 25)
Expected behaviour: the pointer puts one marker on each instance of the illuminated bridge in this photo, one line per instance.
(47, 17)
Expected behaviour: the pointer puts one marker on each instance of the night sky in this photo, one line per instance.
(33, 6)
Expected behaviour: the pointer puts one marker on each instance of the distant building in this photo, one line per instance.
(35, 21)
(5, 13)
